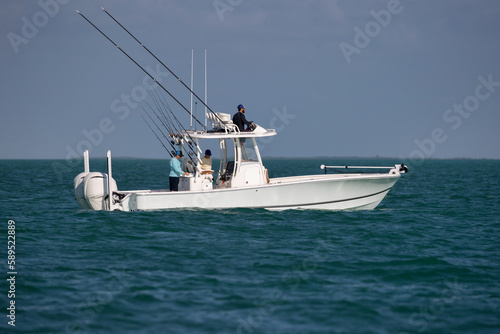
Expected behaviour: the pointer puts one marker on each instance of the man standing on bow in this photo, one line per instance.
(240, 120)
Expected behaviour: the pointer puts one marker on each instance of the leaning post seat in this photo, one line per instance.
(222, 121)
(225, 118)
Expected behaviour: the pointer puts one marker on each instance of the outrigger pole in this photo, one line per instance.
(165, 66)
(153, 78)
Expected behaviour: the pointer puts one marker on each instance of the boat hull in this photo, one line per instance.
(324, 192)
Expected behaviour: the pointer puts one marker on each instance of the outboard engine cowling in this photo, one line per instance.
(79, 195)
(95, 190)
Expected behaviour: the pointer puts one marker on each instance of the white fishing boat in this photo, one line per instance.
(241, 181)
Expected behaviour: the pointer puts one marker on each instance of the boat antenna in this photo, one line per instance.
(195, 113)
(126, 54)
(192, 59)
(206, 100)
(165, 66)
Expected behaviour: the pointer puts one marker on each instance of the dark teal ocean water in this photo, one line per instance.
(427, 260)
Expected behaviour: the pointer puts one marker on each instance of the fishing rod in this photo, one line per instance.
(171, 145)
(126, 54)
(165, 66)
(179, 124)
(160, 101)
(164, 125)
(190, 150)
(157, 137)
(153, 121)
(166, 116)
(168, 124)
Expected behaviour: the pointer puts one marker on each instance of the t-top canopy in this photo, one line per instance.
(258, 132)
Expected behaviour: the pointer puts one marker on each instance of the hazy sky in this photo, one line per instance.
(413, 79)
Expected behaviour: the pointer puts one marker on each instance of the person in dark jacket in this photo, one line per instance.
(240, 120)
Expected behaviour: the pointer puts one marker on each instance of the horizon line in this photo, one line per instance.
(266, 157)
